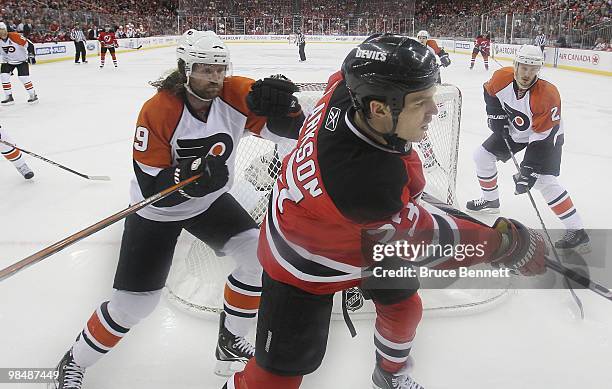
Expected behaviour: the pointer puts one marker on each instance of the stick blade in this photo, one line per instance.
(99, 178)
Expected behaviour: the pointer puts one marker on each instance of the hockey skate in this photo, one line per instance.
(233, 352)
(576, 240)
(33, 99)
(401, 380)
(483, 206)
(25, 171)
(69, 374)
(8, 101)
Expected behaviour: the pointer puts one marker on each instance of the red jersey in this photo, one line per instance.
(108, 39)
(482, 44)
(335, 184)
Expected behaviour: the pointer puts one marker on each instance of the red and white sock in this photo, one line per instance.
(394, 331)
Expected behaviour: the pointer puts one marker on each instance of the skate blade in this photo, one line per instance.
(486, 211)
(7, 104)
(33, 102)
(584, 248)
(227, 368)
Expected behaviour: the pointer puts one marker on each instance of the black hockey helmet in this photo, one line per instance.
(387, 67)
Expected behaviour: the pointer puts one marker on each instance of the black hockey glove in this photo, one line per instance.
(214, 175)
(524, 180)
(273, 97)
(499, 123)
(444, 58)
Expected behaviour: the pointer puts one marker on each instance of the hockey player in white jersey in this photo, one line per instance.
(526, 110)
(14, 55)
(192, 125)
(432, 45)
(14, 155)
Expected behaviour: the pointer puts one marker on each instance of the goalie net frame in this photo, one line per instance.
(196, 282)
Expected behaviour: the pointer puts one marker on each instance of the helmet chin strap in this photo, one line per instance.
(394, 142)
(192, 93)
(516, 66)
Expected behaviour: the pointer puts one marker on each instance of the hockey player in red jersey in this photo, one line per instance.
(192, 125)
(354, 170)
(482, 45)
(108, 41)
(526, 110)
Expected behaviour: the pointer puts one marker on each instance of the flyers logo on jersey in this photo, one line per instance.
(371, 54)
(9, 49)
(519, 120)
(218, 145)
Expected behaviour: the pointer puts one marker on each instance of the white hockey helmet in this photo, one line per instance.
(2, 26)
(529, 55)
(423, 35)
(203, 47)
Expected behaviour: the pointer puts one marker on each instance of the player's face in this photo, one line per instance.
(207, 80)
(525, 74)
(422, 39)
(419, 108)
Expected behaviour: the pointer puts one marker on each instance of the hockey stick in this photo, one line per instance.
(552, 246)
(98, 178)
(551, 264)
(497, 62)
(74, 238)
(131, 48)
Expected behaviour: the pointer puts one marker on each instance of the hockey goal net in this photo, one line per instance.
(196, 281)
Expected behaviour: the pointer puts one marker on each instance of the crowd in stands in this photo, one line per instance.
(51, 20)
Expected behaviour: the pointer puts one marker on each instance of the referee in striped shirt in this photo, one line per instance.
(540, 40)
(78, 36)
(300, 41)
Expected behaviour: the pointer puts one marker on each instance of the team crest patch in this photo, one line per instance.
(218, 145)
(354, 299)
(332, 119)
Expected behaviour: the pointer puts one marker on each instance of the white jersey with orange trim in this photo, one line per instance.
(534, 116)
(14, 49)
(168, 132)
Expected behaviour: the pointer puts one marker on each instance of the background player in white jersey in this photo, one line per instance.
(191, 126)
(15, 156)
(526, 110)
(432, 45)
(354, 173)
(14, 54)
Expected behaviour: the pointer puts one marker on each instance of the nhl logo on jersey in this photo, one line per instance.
(353, 299)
